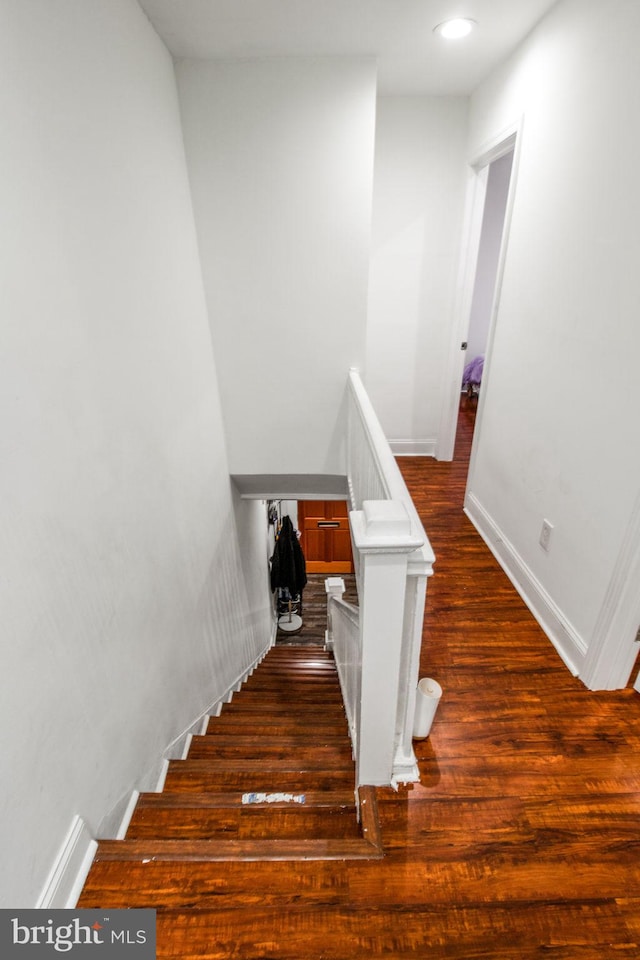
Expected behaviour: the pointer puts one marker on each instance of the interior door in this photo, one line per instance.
(324, 536)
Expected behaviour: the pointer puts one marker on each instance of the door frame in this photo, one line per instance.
(478, 175)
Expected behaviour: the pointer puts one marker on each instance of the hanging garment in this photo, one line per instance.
(473, 373)
(288, 567)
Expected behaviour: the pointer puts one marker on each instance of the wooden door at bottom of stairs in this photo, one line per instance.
(325, 537)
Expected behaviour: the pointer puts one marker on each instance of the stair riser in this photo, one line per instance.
(297, 684)
(267, 745)
(184, 851)
(295, 822)
(225, 727)
(206, 781)
(219, 767)
(313, 711)
(300, 674)
(271, 757)
(290, 694)
(342, 798)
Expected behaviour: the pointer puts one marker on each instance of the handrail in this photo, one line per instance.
(345, 641)
(350, 610)
(387, 482)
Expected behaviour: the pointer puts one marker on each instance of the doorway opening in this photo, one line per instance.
(485, 233)
(484, 288)
(325, 536)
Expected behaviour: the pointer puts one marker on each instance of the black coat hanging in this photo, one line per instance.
(288, 567)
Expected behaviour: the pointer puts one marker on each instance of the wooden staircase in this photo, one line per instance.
(271, 779)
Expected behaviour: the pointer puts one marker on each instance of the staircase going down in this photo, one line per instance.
(271, 779)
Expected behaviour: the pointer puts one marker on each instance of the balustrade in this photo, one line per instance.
(377, 647)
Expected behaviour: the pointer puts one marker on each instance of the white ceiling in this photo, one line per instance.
(411, 58)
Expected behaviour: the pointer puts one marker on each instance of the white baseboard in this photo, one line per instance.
(162, 776)
(178, 748)
(126, 817)
(569, 644)
(405, 769)
(413, 448)
(69, 872)
(114, 824)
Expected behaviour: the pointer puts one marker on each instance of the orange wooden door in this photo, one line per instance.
(325, 537)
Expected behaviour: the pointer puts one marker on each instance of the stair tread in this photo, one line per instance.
(241, 882)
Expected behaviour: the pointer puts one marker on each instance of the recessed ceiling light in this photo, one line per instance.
(455, 29)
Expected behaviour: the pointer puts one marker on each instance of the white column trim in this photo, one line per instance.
(612, 652)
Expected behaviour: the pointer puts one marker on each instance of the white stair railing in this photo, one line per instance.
(393, 558)
(343, 639)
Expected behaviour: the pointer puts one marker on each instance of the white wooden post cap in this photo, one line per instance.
(386, 518)
(334, 585)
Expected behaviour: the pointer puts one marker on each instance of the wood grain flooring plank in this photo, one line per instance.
(591, 931)
(206, 885)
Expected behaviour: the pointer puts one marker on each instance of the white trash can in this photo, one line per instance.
(427, 699)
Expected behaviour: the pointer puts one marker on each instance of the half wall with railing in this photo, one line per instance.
(377, 644)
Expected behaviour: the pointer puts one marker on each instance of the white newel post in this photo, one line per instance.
(381, 533)
(334, 587)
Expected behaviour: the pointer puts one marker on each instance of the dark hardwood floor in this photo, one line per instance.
(522, 839)
(314, 610)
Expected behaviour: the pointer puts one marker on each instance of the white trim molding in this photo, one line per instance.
(69, 872)
(613, 651)
(413, 448)
(128, 813)
(569, 644)
(115, 823)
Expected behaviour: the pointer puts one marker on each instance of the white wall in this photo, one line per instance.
(280, 156)
(559, 428)
(124, 604)
(417, 210)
